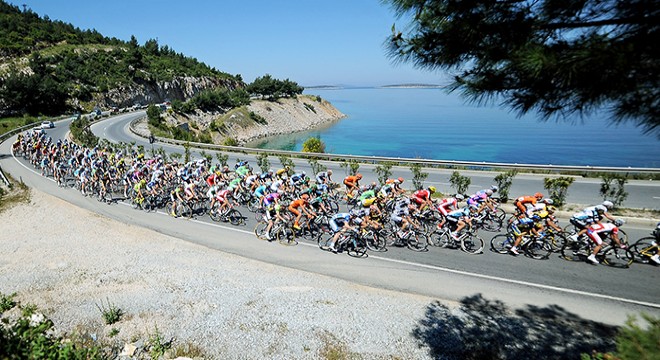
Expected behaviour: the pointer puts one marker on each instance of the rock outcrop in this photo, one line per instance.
(154, 92)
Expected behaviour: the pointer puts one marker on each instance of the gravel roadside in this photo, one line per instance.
(67, 261)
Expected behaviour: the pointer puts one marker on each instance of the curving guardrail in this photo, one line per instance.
(472, 165)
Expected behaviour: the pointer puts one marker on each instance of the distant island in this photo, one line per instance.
(412, 86)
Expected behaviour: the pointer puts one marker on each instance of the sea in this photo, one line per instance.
(431, 123)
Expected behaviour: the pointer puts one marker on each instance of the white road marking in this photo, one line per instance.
(431, 267)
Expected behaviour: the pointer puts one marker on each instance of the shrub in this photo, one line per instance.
(316, 167)
(504, 181)
(314, 144)
(459, 182)
(111, 314)
(287, 162)
(558, 188)
(263, 162)
(222, 158)
(418, 176)
(384, 171)
(613, 188)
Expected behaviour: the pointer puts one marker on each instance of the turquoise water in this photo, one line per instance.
(431, 124)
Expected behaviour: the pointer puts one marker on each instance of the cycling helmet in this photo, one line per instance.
(600, 209)
(358, 175)
(548, 201)
(607, 204)
(377, 189)
(303, 173)
(304, 196)
(432, 189)
(535, 217)
(619, 222)
(489, 192)
(538, 195)
(459, 197)
(329, 172)
(494, 188)
(400, 179)
(257, 173)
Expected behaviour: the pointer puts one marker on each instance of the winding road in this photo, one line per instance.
(594, 292)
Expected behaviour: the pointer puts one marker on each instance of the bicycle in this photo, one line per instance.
(349, 241)
(533, 246)
(609, 254)
(414, 239)
(467, 240)
(230, 214)
(645, 248)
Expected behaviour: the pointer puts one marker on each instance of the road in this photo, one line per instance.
(594, 292)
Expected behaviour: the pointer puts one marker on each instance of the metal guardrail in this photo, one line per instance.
(474, 165)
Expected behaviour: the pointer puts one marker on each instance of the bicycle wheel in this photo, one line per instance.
(442, 239)
(623, 237)
(356, 247)
(537, 249)
(643, 249)
(323, 240)
(286, 236)
(501, 243)
(472, 244)
(555, 241)
(617, 257)
(184, 210)
(575, 251)
(260, 231)
(418, 241)
(375, 242)
(214, 214)
(235, 217)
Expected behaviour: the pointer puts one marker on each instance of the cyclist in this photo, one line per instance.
(401, 215)
(323, 177)
(523, 226)
(368, 197)
(525, 202)
(340, 223)
(273, 215)
(175, 195)
(447, 205)
(458, 219)
(590, 215)
(422, 197)
(352, 183)
(298, 207)
(139, 197)
(223, 197)
(594, 232)
(271, 199)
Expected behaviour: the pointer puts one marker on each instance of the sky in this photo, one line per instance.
(338, 42)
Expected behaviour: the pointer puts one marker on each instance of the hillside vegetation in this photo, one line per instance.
(49, 67)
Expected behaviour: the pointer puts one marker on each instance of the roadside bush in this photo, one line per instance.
(558, 188)
(459, 182)
(384, 171)
(314, 144)
(350, 166)
(418, 176)
(613, 188)
(263, 162)
(316, 167)
(504, 181)
(222, 158)
(230, 141)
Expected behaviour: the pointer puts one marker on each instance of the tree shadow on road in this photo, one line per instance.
(484, 329)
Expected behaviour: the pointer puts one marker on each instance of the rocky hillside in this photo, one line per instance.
(260, 119)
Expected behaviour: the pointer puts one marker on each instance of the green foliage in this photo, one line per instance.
(258, 118)
(263, 162)
(504, 181)
(287, 163)
(206, 156)
(268, 87)
(67, 62)
(384, 171)
(230, 141)
(7, 302)
(316, 166)
(157, 345)
(558, 188)
(350, 166)
(186, 153)
(634, 342)
(459, 182)
(418, 176)
(111, 313)
(613, 188)
(31, 336)
(554, 57)
(81, 133)
(314, 144)
(310, 107)
(153, 116)
(222, 158)
(175, 156)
